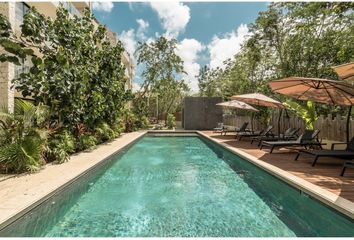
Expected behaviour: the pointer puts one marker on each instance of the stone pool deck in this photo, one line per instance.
(339, 191)
(19, 193)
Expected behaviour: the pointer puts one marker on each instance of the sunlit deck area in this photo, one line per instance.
(325, 174)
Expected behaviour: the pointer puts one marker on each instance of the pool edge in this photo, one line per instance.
(339, 203)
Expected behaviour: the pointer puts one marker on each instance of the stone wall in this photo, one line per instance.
(7, 70)
(201, 113)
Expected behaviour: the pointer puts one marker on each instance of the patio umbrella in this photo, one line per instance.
(317, 90)
(345, 71)
(237, 104)
(260, 100)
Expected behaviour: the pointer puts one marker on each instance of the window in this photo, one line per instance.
(20, 10)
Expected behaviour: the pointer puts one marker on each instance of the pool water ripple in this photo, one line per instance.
(162, 188)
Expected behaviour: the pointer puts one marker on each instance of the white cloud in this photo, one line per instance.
(129, 41)
(188, 50)
(103, 6)
(174, 16)
(221, 49)
(131, 37)
(143, 26)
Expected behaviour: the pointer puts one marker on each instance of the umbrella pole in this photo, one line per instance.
(280, 113)
(348, 118)
(252, 122)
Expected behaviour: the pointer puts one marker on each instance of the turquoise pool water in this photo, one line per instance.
(180, 186)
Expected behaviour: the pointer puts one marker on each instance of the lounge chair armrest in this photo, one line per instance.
(334, 144)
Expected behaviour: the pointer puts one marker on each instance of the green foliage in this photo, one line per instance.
(118, 126)
(160, 61)
(103, 132)
(23, 137)
(86, 142)
(60, 146)
(142, 122)
(162, 66)
(307, 112)
(130, 120)
(171, 121)
(288, 39)
(77, 72)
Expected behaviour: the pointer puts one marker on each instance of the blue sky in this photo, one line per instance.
(208, 32)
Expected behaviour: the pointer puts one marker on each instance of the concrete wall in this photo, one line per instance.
(7, 70)
(201, 113)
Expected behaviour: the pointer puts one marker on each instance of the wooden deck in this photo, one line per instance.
(325, 174)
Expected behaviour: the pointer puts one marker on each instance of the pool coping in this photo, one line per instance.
(122, 142)
(339, 203)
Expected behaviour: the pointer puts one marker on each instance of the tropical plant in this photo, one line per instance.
(129, 119)
(23, 137)
(103, 132)
(142, 122)
(60, 146)
(86, 142)
(171, 121)
(307, 113)
(118, 126)
(77, 73)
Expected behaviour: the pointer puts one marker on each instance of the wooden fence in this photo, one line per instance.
(331, 127)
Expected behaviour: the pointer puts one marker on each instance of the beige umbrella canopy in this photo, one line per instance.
(258, 99)
(345, 71)
(237, 104)
(317, 90)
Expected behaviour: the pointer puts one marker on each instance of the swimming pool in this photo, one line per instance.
(179, 186)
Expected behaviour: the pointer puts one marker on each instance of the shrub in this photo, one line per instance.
(171, 121)
(86, 141)
(23, 137)
(118, 127)
(141, 123)
(104, 132)
(130, 121)
(60, 146)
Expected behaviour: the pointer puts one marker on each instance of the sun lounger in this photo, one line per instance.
(347, 164)
(264, 132)
(243, 128)
(219, 127)
(289, 134)
(348, 153)
(308, 139)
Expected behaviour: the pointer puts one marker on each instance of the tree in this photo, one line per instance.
(162, 67)
(76, 71)
(288, 39)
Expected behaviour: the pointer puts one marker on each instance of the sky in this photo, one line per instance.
(208, 33)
